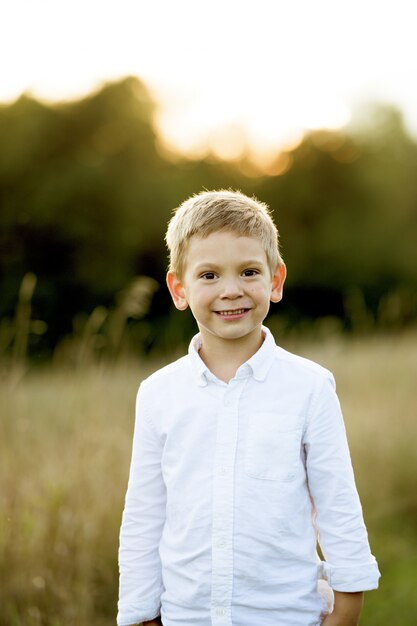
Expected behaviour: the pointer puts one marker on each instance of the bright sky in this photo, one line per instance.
(225, 73)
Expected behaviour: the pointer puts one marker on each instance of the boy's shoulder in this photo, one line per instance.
(302, 366)
(176, 371)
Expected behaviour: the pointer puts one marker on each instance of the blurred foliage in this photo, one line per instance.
(86, 192)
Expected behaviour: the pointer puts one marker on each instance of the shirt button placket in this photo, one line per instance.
(223, 507)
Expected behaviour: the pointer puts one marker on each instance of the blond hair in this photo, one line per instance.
(214, 211)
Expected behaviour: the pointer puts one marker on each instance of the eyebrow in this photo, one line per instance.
(214, 266)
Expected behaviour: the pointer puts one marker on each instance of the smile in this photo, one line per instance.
(230, 313)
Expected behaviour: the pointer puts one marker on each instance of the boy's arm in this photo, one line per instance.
(349, 566)
(347, 609)
(152, 622)
(142, 524)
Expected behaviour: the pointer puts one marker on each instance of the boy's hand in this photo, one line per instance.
(153, 622)
(347, 609)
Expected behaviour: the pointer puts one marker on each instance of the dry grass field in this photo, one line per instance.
(64, 454)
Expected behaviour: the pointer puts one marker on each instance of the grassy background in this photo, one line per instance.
(64, 456)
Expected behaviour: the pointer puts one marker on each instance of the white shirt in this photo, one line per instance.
(230, 486)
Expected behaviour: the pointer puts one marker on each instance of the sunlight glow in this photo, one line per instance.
(228, 77)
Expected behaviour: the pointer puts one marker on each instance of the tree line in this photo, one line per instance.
(86, 192)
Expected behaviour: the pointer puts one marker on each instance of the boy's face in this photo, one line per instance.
(228, 285)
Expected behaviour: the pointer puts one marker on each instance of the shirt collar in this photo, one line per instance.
(258, 364)
(262, 360)
(199, 368)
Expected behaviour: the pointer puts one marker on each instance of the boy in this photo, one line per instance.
(240, 462)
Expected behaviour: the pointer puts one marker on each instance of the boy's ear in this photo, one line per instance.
(176, 289)
(278, 280)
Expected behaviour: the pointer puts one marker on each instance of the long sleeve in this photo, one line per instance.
(349, 564)
(142, 525)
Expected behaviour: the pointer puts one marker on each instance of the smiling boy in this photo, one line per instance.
(240, 463)
(228, 285)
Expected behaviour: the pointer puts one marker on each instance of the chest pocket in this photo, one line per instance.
(273, 446)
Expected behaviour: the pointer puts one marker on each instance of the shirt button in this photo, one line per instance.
(221, 543)
(223, 471)
(220, 611)
(227, 401)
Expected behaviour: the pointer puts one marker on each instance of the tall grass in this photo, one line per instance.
(64, 455)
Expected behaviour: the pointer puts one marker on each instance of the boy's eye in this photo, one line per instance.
(250, 273)
(208, 275)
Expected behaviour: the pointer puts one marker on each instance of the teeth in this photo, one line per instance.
(236, 312)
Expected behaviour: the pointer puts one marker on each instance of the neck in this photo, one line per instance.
(224, 357)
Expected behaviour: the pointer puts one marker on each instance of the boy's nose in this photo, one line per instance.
(231, 289)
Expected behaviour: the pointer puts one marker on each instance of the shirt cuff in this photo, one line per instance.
(360, 577)
(127, 616)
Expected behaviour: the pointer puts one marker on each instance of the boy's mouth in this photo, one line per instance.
(231, 313)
